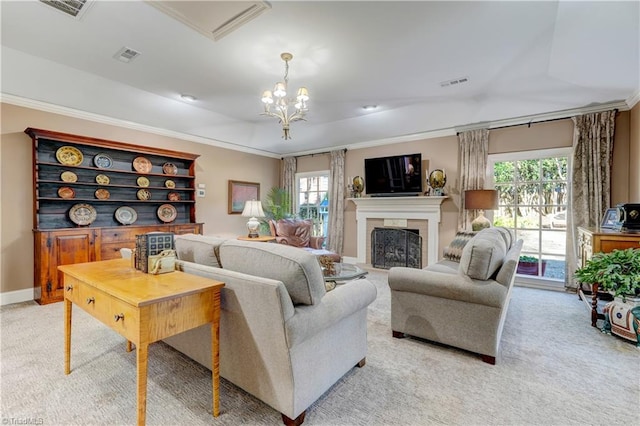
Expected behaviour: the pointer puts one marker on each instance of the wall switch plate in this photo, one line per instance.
(201, 185)
(200, 193)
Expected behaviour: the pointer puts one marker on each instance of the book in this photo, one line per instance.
(151, 244)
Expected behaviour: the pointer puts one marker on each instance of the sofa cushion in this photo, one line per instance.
(297, 269)
(484, 254)
(199, 249)
(454, 250)
(506, 235)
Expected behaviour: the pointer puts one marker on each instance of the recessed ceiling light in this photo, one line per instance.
(189, 98)
(370, 107)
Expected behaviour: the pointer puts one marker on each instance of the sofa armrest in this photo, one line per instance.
(448, 286)
(343, 301)
(283, 240)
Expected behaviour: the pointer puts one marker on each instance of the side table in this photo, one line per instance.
(260, 239)
(144, 308)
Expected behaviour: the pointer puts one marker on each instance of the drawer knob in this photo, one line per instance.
(69, 287)
(90, 300)
(118, 317)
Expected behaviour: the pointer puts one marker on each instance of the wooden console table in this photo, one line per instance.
(596, 240)
(143, 308)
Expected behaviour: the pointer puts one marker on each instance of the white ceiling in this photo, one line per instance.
(521, 59)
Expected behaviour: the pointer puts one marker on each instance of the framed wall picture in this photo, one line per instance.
(610, 219)
(239, 193)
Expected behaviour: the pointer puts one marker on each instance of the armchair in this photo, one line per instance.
(297, 233)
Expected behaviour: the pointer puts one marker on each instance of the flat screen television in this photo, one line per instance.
(393, 176)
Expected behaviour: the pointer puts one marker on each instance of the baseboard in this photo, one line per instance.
(538, 283)
(16, 296)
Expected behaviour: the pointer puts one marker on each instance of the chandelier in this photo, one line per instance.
(281, 103)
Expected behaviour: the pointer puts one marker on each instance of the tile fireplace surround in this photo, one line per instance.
(413, 209)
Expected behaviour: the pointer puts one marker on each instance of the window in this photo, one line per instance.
(532, 188)
(312, 199)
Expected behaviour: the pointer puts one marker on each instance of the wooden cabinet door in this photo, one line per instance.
(62, 248)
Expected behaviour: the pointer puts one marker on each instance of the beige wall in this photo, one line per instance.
(214, 168)
(634, 154)
(442, 153)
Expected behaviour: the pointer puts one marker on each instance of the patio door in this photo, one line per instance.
(532, 188)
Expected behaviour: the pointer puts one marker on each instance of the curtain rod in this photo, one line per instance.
(314, 153)
(533, 122)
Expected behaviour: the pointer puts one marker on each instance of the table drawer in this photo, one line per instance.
(72, 289)
(112, 312)
(128, 234)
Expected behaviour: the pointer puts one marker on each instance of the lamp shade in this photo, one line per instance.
(253, 208)
(481, 199)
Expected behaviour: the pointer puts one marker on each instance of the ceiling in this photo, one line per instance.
(521, 59)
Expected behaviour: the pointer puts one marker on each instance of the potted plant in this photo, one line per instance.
(277, 206)
(617, 272)
(528, 265)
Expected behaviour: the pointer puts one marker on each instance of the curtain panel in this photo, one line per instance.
(474, 151)
(590, 188)
(289, 166)
(335, 228)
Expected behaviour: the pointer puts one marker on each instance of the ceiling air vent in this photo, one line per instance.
(73, 8)
(126, 54)
(454, 82)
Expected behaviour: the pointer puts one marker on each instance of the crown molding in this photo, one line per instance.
(98, 118)
(549, 116)
(633, 100)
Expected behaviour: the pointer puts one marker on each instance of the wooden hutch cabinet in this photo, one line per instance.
(91, 197)
(596, 240)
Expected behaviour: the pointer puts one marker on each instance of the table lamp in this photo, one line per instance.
(481, 199)
(253, 210)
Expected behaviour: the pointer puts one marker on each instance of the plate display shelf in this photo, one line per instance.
(59, 240)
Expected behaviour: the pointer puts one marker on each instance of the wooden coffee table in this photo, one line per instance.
(143, 308)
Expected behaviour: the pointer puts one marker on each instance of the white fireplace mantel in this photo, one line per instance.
(420, 208)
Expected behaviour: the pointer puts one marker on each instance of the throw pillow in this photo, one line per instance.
(454, 250)
(198, 249)
(484, 254)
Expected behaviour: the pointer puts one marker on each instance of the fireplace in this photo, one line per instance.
(396, 247)
(413, 209)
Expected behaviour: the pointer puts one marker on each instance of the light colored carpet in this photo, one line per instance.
(554, 369)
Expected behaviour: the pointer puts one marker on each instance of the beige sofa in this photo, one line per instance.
(459, 304)
(283, 338)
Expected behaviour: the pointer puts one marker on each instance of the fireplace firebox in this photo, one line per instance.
(396, 247)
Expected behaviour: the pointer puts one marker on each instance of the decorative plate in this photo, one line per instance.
(167, 213)
(82, 214)
(66, 192)
(69, 177)
(69, 155)
(170, 169)
(102, 194)
(142, 181)
(169, 183)
(102, 161)
(126, 215)
(143, 194)
(173, 196)
(103, 179)
(142, 165)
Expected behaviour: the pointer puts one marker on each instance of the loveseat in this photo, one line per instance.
(283, 338)
(459, 304)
